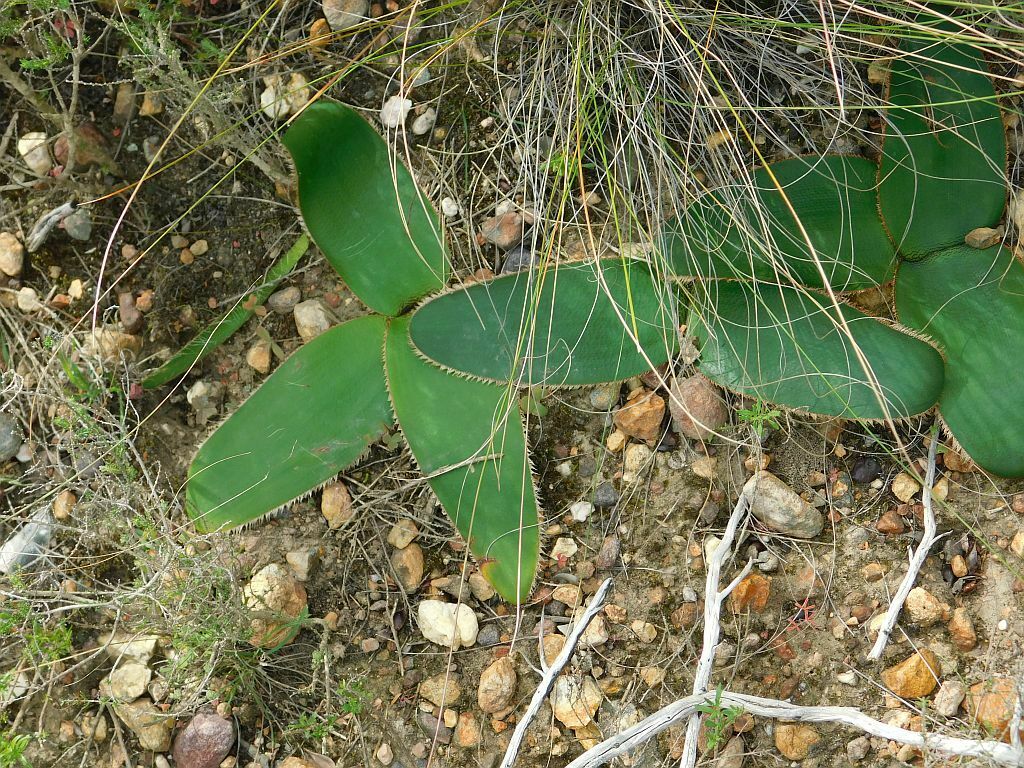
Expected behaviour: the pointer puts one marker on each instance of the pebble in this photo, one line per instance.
(110, 343)
(564, 547)
(872, 572)
(497, 688)
(567, 594)
(517, 259)
(595, 634)
(890, 523)
(575, 700)
(503, 230)
(12, 254)
(983, 237)
(204, 742)
(641, 416)
(10, 437)
(904, 487)
(342, 14)
(272, 589)
(949, 698)
(638, 457)
(311, 319)
(284, 300)
(409, 565)
(468, 731)
(603, 397)
(697, 407)
(403, 533)
(336, 505)
(705, 467)
(780, 508)
(131, 317)
(961, 630)
(450, 208)
(752, 592)
(140, 648)
(990, 703)
(274, 101)
(644, 631)
(28, 300)
(480, 587)
(303, 562)
(424, 123)
(78, 225)
(605, 497)
(915, 676)
(858, 749)
(452, 626)
(394, 112)
(384, 754)
(205, 398)
(258, 357)
(847, 678)
(151, 726)
(795, 740)
(581, 511)
(199, 247)
(94, 726)
(127, 682)
(608, 555)
(33, 150)
(866, 470)
(923, 608)
(443, 690)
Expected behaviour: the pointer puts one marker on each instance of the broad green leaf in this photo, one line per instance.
(562, 325)
(785, 346)
(363, 209)
(215, 334)
(835, 200)
(467, 437)
(971, 302)
(313, 417)
(944, 155)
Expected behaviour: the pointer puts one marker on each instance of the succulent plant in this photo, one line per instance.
(767, 305)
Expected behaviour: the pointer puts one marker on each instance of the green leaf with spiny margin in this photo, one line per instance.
(786, 346)
(363, 209)
(215, 334)
(971, 303)
(313, 417)
(467, 437)
(726, 234)
(944, 155)
(562, 325)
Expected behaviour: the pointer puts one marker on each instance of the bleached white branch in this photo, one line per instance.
(552, 672)
(631, 738)
(916, 560)
(713, 599)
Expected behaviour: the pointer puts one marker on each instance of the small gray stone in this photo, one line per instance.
(204, 742)
(858, 749)
(10, 437)
(342, 14)
(780, 507)
(284, 300)
(605, 496)
(518, 259)
(79, 225)
(949, 698)
(603, 397)
(488, 635)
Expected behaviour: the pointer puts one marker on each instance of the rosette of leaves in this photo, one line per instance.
(768, 276)
(322, 409)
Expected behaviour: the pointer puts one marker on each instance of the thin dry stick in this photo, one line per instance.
(916, 560)
(551, 673)
(646, 729)
(713, 599)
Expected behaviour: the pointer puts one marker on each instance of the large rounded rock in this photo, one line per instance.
(780, 507)
(276, 599)
(204, 742)
(697, 407)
